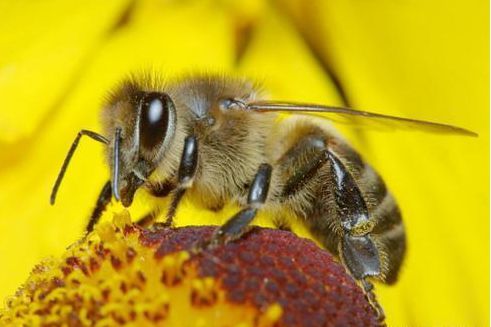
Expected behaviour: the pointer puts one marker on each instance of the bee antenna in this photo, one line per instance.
(66, 162)
(117, 139)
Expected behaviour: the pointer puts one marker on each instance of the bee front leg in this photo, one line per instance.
(159, 190)
(148, 219)
(101, 205)
(186, 173)
(258, 193)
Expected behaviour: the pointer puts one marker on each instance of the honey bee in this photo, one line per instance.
(214, 139)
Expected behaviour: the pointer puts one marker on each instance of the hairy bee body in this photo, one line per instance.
(234, 143)
(214, 139)
(315, 200)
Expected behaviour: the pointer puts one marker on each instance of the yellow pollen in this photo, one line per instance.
(271, 315)
(204, 291)
(106, 232)
(122, 219)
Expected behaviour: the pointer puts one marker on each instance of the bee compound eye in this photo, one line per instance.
(154, 119)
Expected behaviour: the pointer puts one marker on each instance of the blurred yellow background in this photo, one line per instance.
(415, 58)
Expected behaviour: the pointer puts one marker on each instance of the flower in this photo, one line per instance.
(122, 274)
(419, 59)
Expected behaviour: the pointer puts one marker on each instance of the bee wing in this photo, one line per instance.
(359, 117)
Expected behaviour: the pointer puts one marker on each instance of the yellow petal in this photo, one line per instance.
(420, 59)
(123, 274)
(44, 47)
(28, 177)
(428, 60)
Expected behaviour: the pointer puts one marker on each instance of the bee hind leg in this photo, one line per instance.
(357, 249)
(355, 246)
(360, 257)
(372, 299)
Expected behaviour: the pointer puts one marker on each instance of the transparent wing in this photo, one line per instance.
(359, 117)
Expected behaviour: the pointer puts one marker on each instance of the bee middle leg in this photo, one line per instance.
(186, 172)
(237, 225)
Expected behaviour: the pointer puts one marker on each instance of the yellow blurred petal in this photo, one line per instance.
(420, 59)
(122, 274)
(278, 57)
(429, 60)
(44, 45)
(26, 183)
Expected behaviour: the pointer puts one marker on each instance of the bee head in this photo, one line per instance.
(142, 125)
